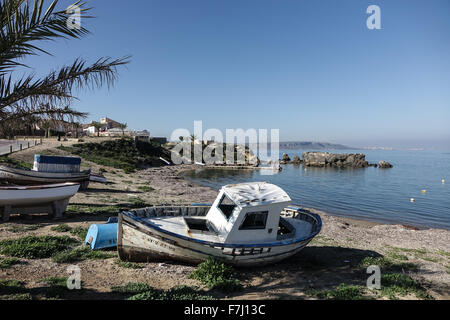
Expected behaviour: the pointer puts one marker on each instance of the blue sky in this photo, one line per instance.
(309, 68)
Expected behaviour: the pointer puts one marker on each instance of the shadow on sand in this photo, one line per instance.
(312, 268)
(98, 190)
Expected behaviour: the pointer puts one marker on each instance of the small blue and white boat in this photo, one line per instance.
(102, 236)
(249, 224)
(48, 170)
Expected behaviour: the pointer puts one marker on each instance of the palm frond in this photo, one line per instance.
(49, 113)
(59, 85)
(29, 100)
(22, 25)
(56, 89)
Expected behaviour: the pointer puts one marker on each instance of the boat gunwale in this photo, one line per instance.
(38, 187)
(23, 172)
(279, 243)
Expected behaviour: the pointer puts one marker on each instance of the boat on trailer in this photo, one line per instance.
(249, 224)
(51, 199)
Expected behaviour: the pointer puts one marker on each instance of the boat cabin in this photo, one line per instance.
(247, 213)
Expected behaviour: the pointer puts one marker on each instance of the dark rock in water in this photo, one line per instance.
(296, 160)
(342, 160)
(285, 159)
(385, 165)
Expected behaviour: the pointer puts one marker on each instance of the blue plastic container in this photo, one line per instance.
(102, 236)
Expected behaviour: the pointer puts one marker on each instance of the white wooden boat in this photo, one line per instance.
(248, 224)
(51, 199)
(20, 176)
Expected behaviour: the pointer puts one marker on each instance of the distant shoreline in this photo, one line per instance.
(299, 145)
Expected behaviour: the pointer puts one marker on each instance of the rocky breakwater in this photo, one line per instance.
(285, 159)
(341, 160)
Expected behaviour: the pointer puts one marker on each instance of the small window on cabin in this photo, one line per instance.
(226, 206)
(254, 221)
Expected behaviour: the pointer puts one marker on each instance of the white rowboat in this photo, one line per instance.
(37, 199)
(98, 178)
(26, 177)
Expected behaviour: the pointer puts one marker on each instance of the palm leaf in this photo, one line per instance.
(55, 89)
(27, 100)
(22, 26)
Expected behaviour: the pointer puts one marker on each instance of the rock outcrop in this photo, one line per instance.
(342, 160)
(285, 158)
(384, 165)
(296, 160)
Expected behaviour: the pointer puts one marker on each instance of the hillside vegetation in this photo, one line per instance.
(121, 154)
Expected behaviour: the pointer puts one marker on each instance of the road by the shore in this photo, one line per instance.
(5, 145)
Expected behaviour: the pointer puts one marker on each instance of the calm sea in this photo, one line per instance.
(380, 195)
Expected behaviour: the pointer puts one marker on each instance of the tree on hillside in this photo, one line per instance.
(75, 127)
(24, 25)
(193, 137)
(97, 126)
(46, 125)
(123, 127)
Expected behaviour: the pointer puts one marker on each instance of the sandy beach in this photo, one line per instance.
(334, 257)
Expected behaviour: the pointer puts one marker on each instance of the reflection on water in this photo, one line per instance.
(374, 194)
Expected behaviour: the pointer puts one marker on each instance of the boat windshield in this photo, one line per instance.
(226, 206)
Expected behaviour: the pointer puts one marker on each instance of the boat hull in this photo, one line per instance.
(52, 199)
(26, 196)
(140, 242)
(98, 178)
(28, 177)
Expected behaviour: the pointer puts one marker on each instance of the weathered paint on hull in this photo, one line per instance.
(139, 243)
